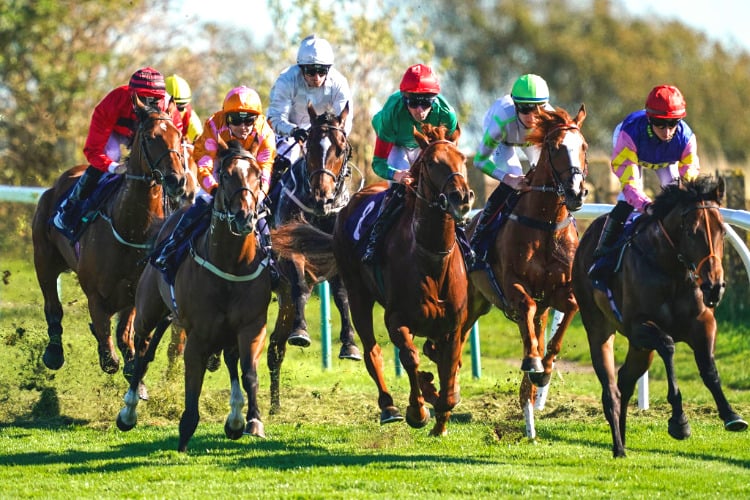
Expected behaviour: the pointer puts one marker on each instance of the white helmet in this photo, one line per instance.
(314, 50)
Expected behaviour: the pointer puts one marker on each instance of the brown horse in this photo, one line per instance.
(220, 297)
(532, 255)
(421, 284)
(315, 190)
(669, 282)
(110, 255)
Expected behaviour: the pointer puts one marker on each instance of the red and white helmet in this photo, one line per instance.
(666, 101)
(147, 82)
(419, 79)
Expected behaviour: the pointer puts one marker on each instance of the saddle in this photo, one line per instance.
(359, 224)
(86, 211)
(610, 263)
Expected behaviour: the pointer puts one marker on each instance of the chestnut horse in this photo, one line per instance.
(421, 284)
(110, 255)
(316, 189)
(670, 280)
(532, 254)
(220, 297)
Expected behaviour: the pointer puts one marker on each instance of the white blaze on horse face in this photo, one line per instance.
(163, 126)
(574, 144)
(244, 167)
(325, 145)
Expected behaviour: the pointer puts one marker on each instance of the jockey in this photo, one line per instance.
(241, 118)
(656, 138)
(178, 91)
(113, 125)
(506, 125)
(312, 80)
(417, 101)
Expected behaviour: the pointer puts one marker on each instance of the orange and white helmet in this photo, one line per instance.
(242, 99)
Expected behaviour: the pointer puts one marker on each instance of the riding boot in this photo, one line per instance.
(264, 237)
(64, 218)
(613, 227)
(180, 232)
(389, 207)
(478, 244)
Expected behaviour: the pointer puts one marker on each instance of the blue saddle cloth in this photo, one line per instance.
(359, 224)
(85, 212)
(609, 262)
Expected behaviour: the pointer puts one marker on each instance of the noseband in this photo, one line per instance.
(558, 186)
(345, 171)
(441, 200)
(156, 175)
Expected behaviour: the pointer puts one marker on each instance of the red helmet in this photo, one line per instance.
(147, 82)
(665, 101)
(419, 79)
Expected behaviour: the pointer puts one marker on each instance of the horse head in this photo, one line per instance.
(157, 155)
(326, 157)
(564, 153)
(236, 198)
(440, 171)
(688, 216)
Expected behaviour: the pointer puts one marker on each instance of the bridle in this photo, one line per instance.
(155, 175)
(439, 201)
(345, 170)
(236, 225)
(558, 186)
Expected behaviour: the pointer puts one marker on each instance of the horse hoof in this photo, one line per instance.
(679, 428)
(532, 364)
(350, 351)
(53, 356)
(122, 425)
(213, 363)
(417, 417)
(736, 424)
(231, 433)
(255, 428)
(299, 338)
(108, 363)
(389, 415)
(540, 379)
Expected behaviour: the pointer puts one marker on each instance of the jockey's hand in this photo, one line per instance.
(299, 134)
(648, 209)
(517, 182)
(402, 176)
(116, 168)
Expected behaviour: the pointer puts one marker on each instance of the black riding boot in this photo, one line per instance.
(64, 218)
(480, 247)
(389, 207)
(264, 236)
(180, 232)
(612, 228)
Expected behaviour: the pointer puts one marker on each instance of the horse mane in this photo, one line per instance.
(326, 118)
(548, 121)
(702, 188)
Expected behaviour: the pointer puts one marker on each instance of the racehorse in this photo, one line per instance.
(109, 256)
(421, 283)
(532, 254)
(220, 296)
(314, 191)
(669, 282)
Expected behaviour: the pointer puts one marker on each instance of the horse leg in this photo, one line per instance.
(100, 327)
(532, 358)
(648, 336)
(527, 400)
(145, 348)
(175, 348)
(195, 371)
(277, 344)
(554, 346)
(637, 362)
(349, 349)
(300, 294)
(251, 351)
(417, 414)
(49, 264)
(704, 331)
(449, 362)
(234, 425)
(601, 347)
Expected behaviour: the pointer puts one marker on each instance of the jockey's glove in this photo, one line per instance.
(116, 168)
(299, 134)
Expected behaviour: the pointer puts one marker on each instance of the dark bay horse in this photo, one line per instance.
(669, 282)
(110, 255)
(532, 255)
(421, 284)
(317, 188)
(220, 296)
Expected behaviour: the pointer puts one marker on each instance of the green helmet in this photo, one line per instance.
(530, 89)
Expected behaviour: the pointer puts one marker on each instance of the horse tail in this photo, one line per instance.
(296, 239)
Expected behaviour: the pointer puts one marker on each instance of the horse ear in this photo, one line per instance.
(344, 113)
(311, 112)
(455, 135)
(720, 189)
(421, 138)
(580, 116)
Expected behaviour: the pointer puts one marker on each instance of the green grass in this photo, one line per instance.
(58, 438)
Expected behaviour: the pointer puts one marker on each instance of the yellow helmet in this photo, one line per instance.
(242, 99)
(179, 89)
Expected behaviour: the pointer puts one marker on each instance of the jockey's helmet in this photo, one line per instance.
(147, 82)
(419, 79)
(179, 89)
(666, 101)
(242, 99)
(314, 50)
(530, 89)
